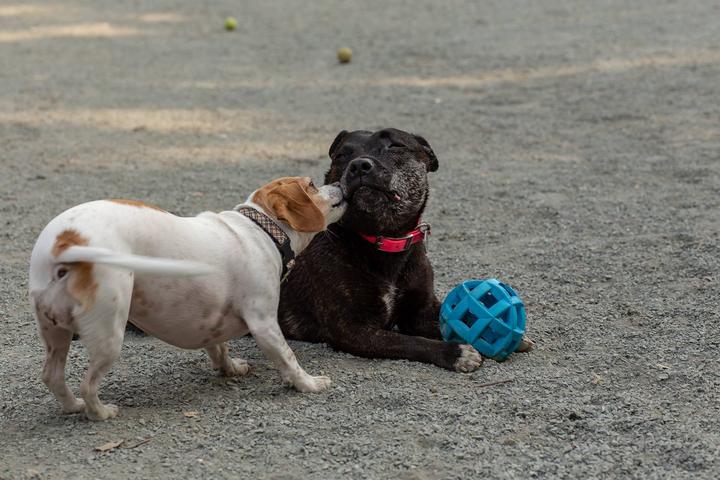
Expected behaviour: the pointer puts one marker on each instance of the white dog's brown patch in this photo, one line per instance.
(135, 203)
(67, 239)
(81, 284)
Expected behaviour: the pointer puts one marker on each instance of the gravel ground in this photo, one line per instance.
(579, 149)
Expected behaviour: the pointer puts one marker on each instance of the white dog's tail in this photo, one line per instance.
(137, 263)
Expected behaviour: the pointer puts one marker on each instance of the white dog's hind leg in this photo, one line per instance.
(102, 330)
(271, 341)
(102, 355)
(57, 342)
(221, 361)
(53, 308)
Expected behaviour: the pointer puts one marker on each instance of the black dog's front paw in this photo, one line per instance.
(461, 358)
(469, 359)
(525, 345)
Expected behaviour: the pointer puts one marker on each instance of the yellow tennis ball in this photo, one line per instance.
(230, 24)
(344, 55)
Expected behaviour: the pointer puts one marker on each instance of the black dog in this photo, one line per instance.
(369, 273)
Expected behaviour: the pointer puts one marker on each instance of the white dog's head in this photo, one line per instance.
(300, 204)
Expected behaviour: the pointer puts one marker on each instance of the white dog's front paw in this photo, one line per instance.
(103, 413)
(469, 359)
(310, 384)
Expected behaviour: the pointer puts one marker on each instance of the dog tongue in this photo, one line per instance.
(396, 197)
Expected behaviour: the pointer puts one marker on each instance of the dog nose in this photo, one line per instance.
(360, 167)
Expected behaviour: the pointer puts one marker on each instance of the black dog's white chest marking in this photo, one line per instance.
(389, 299)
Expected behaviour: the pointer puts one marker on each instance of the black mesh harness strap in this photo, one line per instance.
(278, 235)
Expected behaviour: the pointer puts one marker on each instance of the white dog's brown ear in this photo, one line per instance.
(292, 204)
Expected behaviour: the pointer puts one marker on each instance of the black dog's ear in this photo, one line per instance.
(432, 161)
(336, 143)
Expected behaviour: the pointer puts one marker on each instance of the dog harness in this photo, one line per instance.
(278, 235)
(399, 244)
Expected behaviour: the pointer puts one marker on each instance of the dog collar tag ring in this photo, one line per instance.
(426, 231)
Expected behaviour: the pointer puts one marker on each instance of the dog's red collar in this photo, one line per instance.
(399, 244)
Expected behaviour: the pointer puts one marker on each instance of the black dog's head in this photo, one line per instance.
(384, 174)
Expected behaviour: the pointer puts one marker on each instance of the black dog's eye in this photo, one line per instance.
(396, 145)
(344, 151)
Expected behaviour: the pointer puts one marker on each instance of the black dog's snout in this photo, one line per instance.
(359, 167)
(360, 171)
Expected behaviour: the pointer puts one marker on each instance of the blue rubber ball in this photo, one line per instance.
(487, 314)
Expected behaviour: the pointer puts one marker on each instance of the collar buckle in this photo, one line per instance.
(408, 242)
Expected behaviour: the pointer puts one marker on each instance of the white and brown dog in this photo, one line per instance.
(193, 282)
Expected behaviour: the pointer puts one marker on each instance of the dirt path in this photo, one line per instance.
(579, 148)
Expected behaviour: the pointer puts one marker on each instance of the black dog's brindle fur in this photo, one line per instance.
(342, 290)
